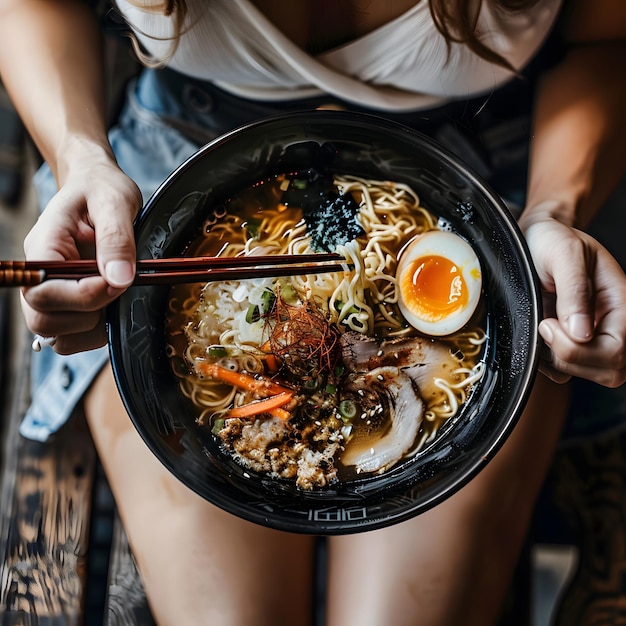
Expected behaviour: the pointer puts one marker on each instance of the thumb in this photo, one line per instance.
(575, 295)
(115, 247)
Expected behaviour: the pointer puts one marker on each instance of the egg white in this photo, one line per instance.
(457, 251)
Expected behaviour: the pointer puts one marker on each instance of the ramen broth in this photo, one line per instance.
(318, 378)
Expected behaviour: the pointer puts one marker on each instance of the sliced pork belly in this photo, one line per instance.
(399, 396)
(421, 359)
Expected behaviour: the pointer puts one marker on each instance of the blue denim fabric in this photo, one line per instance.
(148, 150)
(163, 111)
(58, 383)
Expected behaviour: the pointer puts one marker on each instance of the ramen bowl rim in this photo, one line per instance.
(464, 474)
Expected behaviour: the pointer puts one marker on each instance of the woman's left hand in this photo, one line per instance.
(584, 293)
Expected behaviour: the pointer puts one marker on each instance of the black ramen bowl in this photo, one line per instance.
(369, 147)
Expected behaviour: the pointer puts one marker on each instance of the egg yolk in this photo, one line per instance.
(433, 287)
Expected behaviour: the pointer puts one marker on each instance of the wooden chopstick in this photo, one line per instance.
(176, 270)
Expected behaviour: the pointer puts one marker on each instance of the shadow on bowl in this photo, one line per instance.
(347, 144)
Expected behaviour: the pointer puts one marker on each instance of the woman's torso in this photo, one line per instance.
(380, 54)
(320, 25)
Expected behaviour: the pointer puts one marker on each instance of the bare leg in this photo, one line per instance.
(453, 564)
(199, 564)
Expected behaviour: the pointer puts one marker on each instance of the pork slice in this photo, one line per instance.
(401, 397)
(422, 359)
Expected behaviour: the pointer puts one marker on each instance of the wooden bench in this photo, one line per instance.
(583, 504)
(65, 556)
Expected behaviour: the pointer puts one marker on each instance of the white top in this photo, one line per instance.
(402, 65)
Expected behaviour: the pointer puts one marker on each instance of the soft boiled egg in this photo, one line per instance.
(439, 281)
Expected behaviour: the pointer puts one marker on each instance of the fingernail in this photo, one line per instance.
(580, 327)
(119, 273)
(546, 333)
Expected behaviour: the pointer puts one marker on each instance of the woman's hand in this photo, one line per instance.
(91, 216)
(58, 88)
(576, 160)
(584, 293)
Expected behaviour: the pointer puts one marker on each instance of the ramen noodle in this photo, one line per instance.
(320, 378)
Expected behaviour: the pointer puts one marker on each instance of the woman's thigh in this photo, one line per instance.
(452, 564)
(199, 564)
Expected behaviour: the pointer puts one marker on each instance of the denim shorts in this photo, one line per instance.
(147, 148)
(167, 117)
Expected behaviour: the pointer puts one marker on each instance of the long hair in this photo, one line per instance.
(177, 9)
(456, 20)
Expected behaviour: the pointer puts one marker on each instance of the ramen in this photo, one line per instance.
(330, 376)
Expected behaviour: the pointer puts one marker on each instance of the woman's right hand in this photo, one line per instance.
(59, 89)
(90, 217)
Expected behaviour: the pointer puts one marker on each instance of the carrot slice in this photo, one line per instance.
(260, 386)
(280, 413)
(261, 406)
(271, 360)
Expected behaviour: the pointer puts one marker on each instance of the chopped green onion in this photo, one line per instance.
(347, 409)
(267, 298)
(351, 311)
(218, 424)
(252, 314)
(181, 366)
(310, 384)
(253, 227)
(288, 293)
(217, 352)
(330, 389)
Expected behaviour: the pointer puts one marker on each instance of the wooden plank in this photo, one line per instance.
(588, 484)
(44, 522)
(4, 360)
(126, 602)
